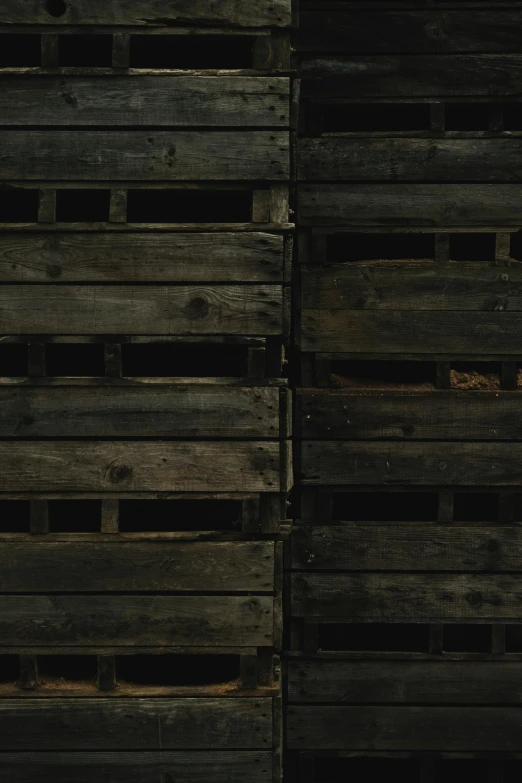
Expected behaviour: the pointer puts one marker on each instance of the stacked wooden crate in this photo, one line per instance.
(405, 568)
(144, 459)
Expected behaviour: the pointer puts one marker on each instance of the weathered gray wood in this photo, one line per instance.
(205, 101)
(129, 620)
(142, 155)
(145, 566)
(407, 547)
(395, 682)
(404, 728)
(410, 205)
(175, 466)
(154, 411)
(69, 309)
(135, 724)
(198, 766)
(408, 597)
(132, 257)
(413, 463)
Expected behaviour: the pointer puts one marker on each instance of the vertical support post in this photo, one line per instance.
(106, 672)
(39, 517)
(28, 672)
(110, 516)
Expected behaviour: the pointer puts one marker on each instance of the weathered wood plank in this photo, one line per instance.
(204, 101)
(175, 466)
(69, 309)
(410, 160)
(408, 597)
(145, 566)
(129, 620)
(137, 767)
(407, 547)
(410, 205)
(412, 463)
(154, 411)
(142, 155)
(396, 682)
(404, 728)
(133, 257)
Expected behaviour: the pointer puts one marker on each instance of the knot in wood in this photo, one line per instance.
(119, 473)
(56, 8)
(197, 308)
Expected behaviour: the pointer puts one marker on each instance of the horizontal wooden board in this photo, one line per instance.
(412, 463)
(129, 620)
(153, 411)
(198, 766)
(404, 728)
(406, 331)
(204, 101)
(69, 309)
(410, 160)
(146, 257)
(407, 547)
(412, 76)
(396, 682)
(143, 155)
(141, 466)
(408, 598)
(144, 566)
(410, 205)
(444, 415)
(135, 724)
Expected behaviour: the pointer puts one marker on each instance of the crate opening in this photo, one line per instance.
(516, 246)
(458, 770)
(329, 769)
(512, 771)
(469, 376)
(67, 668)
(184, 670)
(191, 51)
(75, 360)
(467, 116)
(475, 506)
(9, 668)
(74, 516)
(374, 637)
(375, 117)
(189, 360)
(164, 516)
(189, 206)
(13, 360)
(18, 205)
(85, 51)
(513, 638)
(353, 247)
(472, 247)
(15, 516)
(512, 116)
(20, 51)
(389, 375)
(83, 206)
(385, 506)
(466, 638)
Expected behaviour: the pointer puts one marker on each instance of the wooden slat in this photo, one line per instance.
(145, 156)
(396, 682)
(177, 466)
(204, 101)
(152, 257)
(129, 620)
(408, 597)
(147, 566)
(407, 547)
(69, 309)
(154, 411)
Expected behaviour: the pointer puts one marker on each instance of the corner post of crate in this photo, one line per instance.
(502, 249)
(270, 512)
(50, 50)
(47, 205)
(248, 673)
(277, 745)
(278, 595)
(39, 517)
(120, 50)
(261, 206)
(112, 359)
(272, 52)
(118, 206)
(28, 672)
(279, 203)
(110, 516)
(445, 509)
(442, 248)
(251, 516)
(106, 672)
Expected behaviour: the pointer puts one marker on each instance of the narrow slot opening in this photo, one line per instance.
(18, 205)
(475, 375)
(389, 375)
(85, 51)
(15, 516)
(75, 360)
(74, 516)
(67, 668)
(191, 51)
(374, 637)
(385, 506)
(9, 668)
(169, 670)
(20, 51)
(466, 638)
(516, 246)
(475, 507)
(518, 506)
(335, 770)
(467, 116)
(512, 116)
(196, 360)
(352, 247)
(82, 206)
(513, 638)
(164, 516)
(472, 247)
(13, 360)
(376, 117)
(189, 206)
(457, 770)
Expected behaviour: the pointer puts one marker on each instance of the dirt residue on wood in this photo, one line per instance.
(343, 382)
(474, 380)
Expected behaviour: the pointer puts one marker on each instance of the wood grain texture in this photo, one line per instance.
(130, 620)
(146, 257)
(175, 466)
(40, 566)
(145, 156)
(69, 309)
(205, 101)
